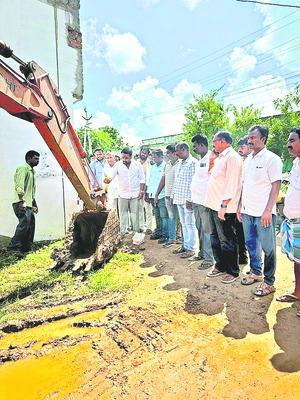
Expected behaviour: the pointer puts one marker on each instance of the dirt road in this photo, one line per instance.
(177, 335)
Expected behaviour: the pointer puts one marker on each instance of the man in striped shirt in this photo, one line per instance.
(181, 193)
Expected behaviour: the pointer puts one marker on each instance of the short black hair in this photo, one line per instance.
(226, 136)
(262, 129)
(30, 154)
(296, 129)
(158, 152)
(243, 140)
(98, 150)
(145, 148)
(183, 146)
(200, 139)
(127, 150)
(171, 148)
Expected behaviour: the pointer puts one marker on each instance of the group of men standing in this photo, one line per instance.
(227, 198)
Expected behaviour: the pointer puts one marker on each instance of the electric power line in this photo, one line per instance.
(268, 4)
(223, 75)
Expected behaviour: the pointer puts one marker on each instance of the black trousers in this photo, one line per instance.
(23, 237)
(224, 243)
(243, 254)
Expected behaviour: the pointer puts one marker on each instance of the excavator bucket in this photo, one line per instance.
(92, 238)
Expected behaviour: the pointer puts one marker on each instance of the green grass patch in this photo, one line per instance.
(29, 284)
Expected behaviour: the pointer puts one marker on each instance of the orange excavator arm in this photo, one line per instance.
(35, 98)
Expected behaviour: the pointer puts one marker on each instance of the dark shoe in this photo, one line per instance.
(162, 240)
(154, 236)
(148, 232)
(179, 250)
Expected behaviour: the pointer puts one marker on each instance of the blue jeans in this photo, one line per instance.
(187, 221)
(23, 237)
(172, 214)
(161, 218)
(204, 230)
(224, 243)
(258, 238)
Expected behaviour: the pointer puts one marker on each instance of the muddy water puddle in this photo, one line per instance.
(59, 358)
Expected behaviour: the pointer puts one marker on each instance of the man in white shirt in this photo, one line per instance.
(112, 189)
(198, 192)
(222, 198)
(145, 208)
(257, 210)
(158, 204)
(290, 229)
(166, 183)
(131, 182)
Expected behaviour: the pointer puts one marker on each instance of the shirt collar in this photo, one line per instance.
(226, 151)
(260, 153)
(187, 160)
(29, 167)
(207, 155)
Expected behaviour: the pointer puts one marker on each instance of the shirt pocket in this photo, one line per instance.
(260, 174)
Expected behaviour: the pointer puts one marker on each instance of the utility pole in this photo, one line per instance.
(87, 136)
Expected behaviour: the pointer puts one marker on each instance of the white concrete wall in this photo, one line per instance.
(29, 27)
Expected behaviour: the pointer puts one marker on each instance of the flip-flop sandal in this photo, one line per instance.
(249, 281)
(287, 298)
(261, 292)
(205, 265)
(179, 250)
(186, 255)
(212, 274)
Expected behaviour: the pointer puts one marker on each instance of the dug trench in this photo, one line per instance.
(175, 335)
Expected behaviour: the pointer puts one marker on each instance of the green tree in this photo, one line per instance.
(244, 118)
(205, 115)
(106, 138)
(280, 126)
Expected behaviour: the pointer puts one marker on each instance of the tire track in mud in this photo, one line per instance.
(133, 330)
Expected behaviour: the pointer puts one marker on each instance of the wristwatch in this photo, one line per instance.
(223, 205)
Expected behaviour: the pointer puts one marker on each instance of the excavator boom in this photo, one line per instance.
(35, 98)
(92, 237)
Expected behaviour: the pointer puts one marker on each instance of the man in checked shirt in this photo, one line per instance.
(181, 193)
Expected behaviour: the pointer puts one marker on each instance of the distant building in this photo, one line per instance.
(160, 142)
(48, 32)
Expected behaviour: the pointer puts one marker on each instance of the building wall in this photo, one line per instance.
(160, 142)
(46, 31)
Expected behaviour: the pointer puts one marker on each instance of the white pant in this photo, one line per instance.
(143, 205)
(132, 206)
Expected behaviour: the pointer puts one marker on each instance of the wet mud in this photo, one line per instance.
(177, 335)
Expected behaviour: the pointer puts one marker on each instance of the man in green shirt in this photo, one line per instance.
(24, 204)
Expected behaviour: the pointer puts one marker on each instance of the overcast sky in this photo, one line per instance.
(144, 60)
